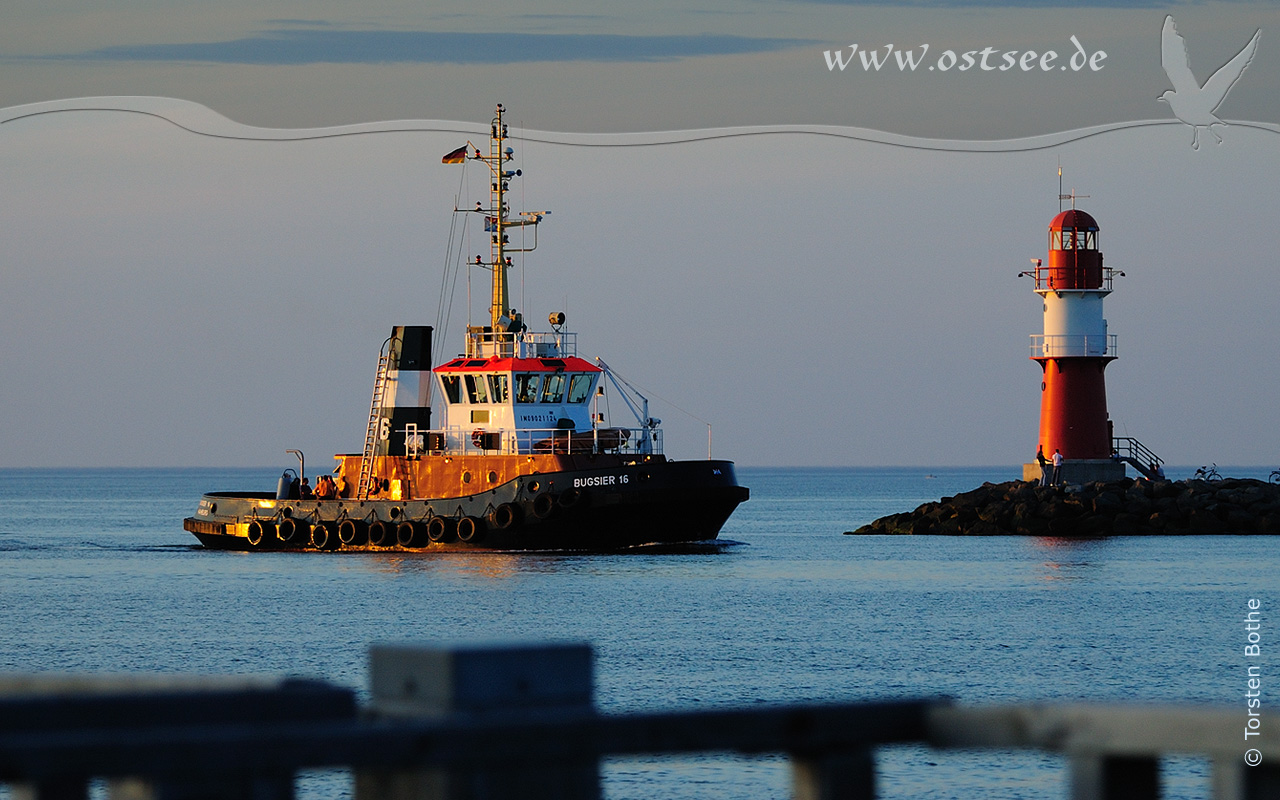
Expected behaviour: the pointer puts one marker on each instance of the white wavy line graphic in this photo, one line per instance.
(204, 121)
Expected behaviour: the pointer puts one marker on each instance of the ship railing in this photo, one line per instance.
(526, 344)
(1063, 346)
(530, 441)
(531, 730)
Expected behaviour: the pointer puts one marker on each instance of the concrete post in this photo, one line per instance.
(475, 682)
(1261, 782)
(1233, 780)
(1098, 777)
(834, 776)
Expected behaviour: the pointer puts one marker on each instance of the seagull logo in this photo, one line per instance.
(1192, 103)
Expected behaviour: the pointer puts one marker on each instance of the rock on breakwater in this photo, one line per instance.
(1114, 508)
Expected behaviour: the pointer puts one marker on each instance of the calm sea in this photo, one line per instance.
(97, 575)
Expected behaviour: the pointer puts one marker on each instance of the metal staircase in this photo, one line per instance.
(372, 431)
(1137, 455)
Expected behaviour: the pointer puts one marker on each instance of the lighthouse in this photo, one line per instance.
(1073, 353)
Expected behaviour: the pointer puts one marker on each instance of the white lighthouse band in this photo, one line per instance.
(1073, 325)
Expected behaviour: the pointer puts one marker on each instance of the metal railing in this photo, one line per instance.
(530, 730)
(1126, 447)
(1046, 278)
(527, 344)
(460, 441)
(1062, 346)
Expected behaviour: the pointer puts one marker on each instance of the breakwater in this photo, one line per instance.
(1114, 508)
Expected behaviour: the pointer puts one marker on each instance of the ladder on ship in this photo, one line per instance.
(372, 430)
(1137, 455)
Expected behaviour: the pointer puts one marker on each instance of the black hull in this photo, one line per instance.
(598, 510)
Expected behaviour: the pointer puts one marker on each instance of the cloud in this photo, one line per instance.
(430, 47)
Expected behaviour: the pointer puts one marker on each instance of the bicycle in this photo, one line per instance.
(1210, 473)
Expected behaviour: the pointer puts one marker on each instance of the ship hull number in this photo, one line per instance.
(601, 480)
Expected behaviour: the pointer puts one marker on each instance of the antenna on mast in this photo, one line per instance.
(1072, 197)
(498, 221)
(1060, 184)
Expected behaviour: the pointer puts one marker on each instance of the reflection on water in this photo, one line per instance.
(1067, 571)
(492, 566)
(505, 565)
(1077, 568)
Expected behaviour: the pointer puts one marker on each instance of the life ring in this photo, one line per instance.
(505, 516)
(470, 529)
(544, 505)
(477, 437)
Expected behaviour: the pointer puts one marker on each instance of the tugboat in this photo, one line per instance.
(522, 459)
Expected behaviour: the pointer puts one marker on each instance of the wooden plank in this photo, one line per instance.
(1116, 730)
(53, 704)
(472, 740)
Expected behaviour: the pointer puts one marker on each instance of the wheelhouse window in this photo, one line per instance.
(498, 388)
(452, 385)
(476, 389)
(527, 385)
(553, 388)
(580, 387)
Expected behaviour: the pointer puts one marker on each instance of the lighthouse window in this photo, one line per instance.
(452, 388)
(527, 387)
(498, 388)
(553, 388)
(579, 388)
(476, 391)
(1072, 239)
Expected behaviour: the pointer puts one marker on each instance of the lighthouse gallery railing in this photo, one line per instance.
(1052, 279)
(1062, 346)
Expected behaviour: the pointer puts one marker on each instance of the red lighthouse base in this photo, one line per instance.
(1073, 408)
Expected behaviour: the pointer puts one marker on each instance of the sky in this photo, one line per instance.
(819, 263)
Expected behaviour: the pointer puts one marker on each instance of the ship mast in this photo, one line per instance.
(498, 221)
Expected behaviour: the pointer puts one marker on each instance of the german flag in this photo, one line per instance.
(456, 157)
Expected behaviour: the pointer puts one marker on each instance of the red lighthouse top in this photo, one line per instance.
(1073, 219)
(1074, 259)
